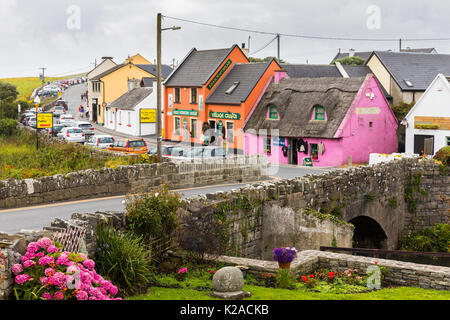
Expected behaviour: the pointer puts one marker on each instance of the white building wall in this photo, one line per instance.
(435, 102)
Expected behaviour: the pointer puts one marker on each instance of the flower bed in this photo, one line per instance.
(46, 273)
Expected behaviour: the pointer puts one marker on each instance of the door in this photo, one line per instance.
(419, 143)
(212, 134)
(293, 154)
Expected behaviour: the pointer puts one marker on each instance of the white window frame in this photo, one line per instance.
(226, 130)
(175, 126)
(192, 126)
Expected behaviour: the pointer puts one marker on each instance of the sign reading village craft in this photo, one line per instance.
(219, 74)
(148, 115)
(224, 115)
(188, 113)
(44, 120)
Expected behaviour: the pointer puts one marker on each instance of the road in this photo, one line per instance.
(14, 220)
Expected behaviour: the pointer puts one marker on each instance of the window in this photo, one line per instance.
(194, 128)
(268, 145)
(129, 118)
(177, 95)
(370, 124)
(230, 132)
(314, 151)
(448, 141)
(136, 144)
(193, 95)
(319, 113)
(96, 86)
(232, 88)
(273, 112)
(177, 125)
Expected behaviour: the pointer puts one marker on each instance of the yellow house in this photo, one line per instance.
(116, 81)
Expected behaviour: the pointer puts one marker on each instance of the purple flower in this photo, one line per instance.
(284, 255)
(47, 296)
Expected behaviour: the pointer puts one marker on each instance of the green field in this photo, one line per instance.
(26, 85)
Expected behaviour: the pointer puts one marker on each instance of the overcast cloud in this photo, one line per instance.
(34, 33)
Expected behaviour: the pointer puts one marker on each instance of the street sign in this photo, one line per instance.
(44, 120)
(307, 162)
(148, 115)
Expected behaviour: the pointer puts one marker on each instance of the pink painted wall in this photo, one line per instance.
(355, 137)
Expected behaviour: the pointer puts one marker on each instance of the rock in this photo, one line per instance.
(228, 279)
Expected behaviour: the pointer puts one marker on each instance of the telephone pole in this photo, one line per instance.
(278, 47)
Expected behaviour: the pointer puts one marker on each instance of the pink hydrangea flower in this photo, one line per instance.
(46, 260)
(49, 272)
(40, 254)
(47, 296)
(82, 295)
(22, 278)
(52, 249)
(28, 263)
(58, 295)
(16, 268)
(89, 264)
(33, 247)
(24, 258)
(113, 290)
(44, 281)
(44, 242)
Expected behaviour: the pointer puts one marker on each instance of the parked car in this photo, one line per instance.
(214, 152)
(25, 117)
(165, 150)
(196, 152)
(58, 110)
(62, 103)
(177, 152)
(86, 126)
(72, 134)
(55, 130)
(99, 141)
(32, 122)
(67, 120)
(138, 146)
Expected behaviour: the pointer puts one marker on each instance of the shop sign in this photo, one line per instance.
(188, 113)
(224, 115)
(278, 141)
(148, 115)
(219, 74)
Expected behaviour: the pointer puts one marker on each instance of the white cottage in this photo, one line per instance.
(124, 113)
(428, 122)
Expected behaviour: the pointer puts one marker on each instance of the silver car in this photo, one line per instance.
(32, 122)
(87, 127)
(99, 141)
(67, 120)
(71, 134)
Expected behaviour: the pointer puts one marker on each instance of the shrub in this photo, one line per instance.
(153, 214)
(443, 155)
(8, 127)
(434, 239)
(46, 273)
(285, 280)
(123, 258)
(402, 109)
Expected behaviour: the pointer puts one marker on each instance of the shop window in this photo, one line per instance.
(177, 126)
(273, 112)
(193, 95)
(177, 95)
(230, 132)
(319, 113)
(314, 151)
(268, 145)
(194, 128)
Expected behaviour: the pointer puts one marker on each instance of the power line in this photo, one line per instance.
(69, 72)
(264, 46)
(308, 36)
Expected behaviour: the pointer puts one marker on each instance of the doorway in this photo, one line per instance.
(419, 144)
(293, 154)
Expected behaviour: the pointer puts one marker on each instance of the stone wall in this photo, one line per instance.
(130, 179)
(398, 273)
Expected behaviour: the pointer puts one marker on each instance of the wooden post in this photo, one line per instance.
(158, 89)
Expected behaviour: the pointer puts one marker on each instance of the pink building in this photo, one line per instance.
(323, 120)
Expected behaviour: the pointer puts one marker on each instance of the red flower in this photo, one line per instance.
(376, 262)
(311, 276)
(304, 278)
(307, 281)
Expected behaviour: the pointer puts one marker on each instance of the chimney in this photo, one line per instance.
(351, 52)
(244, 49)
(133, 83)
(107, 58)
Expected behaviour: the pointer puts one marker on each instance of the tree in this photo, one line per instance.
(8, 108)
(253, 59)
(350, 61)
(8, 90)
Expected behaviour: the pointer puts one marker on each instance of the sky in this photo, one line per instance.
(68, 36)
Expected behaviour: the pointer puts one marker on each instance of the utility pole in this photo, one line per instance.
(400, 45)
(37, 108)
(278, 47)
(158, 78)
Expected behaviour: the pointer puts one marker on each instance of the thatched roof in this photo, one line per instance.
(295, 100)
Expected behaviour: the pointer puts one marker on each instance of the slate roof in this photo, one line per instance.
(197, 67)
(419, 68)
(131, 99)
(423, 50)
(247, 74)
(150, 68)
(364, 54)
(295, 100)
(147, 82)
